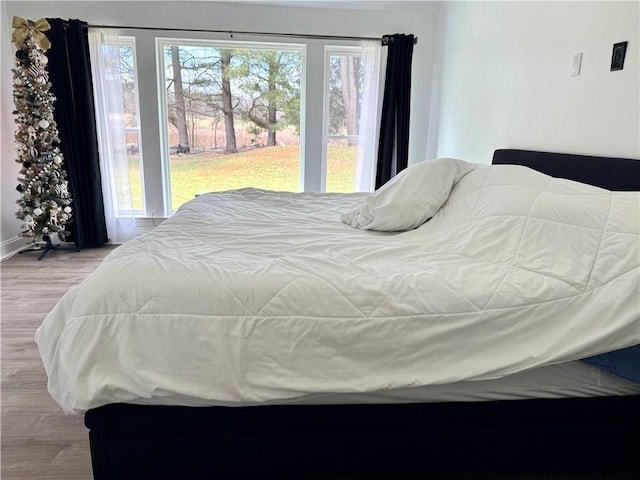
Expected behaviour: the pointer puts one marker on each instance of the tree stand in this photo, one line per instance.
(47, 247)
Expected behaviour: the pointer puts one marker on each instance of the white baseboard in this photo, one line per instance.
(12, 246)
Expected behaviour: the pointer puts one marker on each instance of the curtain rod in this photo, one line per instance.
(231, 32)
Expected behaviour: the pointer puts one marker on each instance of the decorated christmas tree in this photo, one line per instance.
(44, 206)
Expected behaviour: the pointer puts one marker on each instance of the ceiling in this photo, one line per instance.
(405, 5)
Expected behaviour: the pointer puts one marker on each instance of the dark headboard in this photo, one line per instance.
(622, 174)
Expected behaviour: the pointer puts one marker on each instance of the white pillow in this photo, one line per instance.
(410, 198)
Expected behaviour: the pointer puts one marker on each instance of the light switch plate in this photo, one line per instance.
(577, 64)
(617, 57)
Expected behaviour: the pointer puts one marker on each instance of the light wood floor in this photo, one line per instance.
(38, 440)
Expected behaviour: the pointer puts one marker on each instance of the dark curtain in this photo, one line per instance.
(70, 75)
(393, 146)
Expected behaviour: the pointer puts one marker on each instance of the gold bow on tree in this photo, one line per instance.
(23, 29)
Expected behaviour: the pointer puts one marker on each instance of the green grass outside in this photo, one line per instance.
(271, 168)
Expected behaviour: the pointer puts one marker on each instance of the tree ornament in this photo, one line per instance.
(53, 214)
(34, 72)
(37, 211)
(43, 124)
(27, 29)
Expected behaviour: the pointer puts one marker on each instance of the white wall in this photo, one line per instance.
(503, 79)
(419, 20)
(9, 224)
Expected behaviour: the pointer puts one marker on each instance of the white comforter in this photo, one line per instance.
(252, 296)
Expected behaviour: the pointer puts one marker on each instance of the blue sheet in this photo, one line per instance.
(624, 363)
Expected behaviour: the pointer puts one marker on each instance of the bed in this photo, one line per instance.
(408, 407)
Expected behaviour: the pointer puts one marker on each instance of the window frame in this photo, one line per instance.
(328, 51)
(130, 41)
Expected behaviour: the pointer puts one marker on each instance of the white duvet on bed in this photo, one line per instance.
(252, 296)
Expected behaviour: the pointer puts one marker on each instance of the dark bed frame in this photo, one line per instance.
(388, 440)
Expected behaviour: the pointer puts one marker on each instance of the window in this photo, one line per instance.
(217, 114)
(343, 99)
(128, 73)
(231, 116)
